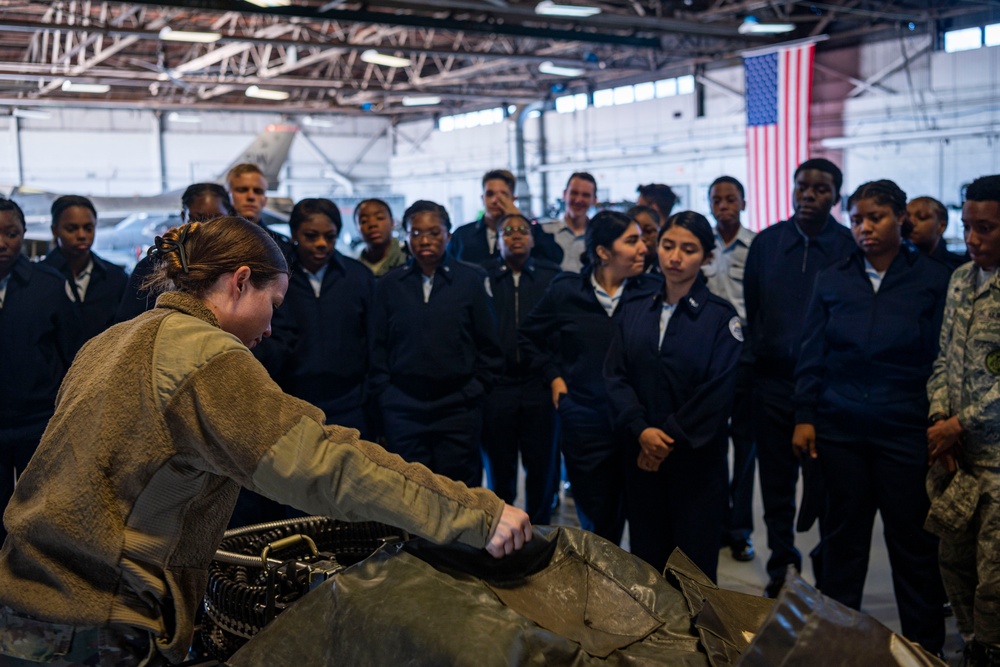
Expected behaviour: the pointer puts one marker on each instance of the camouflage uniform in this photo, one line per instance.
(967, 513)
(28, 642)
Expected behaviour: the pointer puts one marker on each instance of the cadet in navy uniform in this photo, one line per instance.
(929, 218)
(95, 284)
(318, 349)
(476, 242)
(519, 416)
(200, 202)
(40, 329)
(869, 341)
(566, 337)
(671, 374)
(777, 284)
(434, 350)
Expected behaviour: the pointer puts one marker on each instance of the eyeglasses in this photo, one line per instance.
(521, 230)
(431, 233)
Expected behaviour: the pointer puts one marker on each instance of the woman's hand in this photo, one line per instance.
(942, 436)
(804, 440)
(511, 532)
(656, 446)
(558, 389)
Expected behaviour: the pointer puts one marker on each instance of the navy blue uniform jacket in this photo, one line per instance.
(684, 387)
(513, 304)
(40, 330)
(446, 348)
(568, 333)
(318, 349)
(777, 284)
(863, 349)
(469, 244)
(104, 293)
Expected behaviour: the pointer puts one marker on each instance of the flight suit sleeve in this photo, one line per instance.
(241, 425)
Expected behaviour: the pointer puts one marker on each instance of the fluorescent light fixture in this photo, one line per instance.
(317, 122)
(70, 87)
(548, 67)
(421, 100)
(549, 8)
(270, 3)
(752, 26)
(266, 94)
(375, 58)
(171, 35)
(33, 114)
(176, 117)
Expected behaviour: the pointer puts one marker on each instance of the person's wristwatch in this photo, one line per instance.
(935, 418)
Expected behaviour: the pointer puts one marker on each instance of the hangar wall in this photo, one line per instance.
(102, 152)
(931, 126)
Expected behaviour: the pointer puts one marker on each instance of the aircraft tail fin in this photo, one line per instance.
(268, 151)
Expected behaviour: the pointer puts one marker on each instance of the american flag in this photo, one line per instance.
(778, 93)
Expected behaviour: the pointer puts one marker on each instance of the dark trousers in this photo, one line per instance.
(445, 438)
(593, 466)
(739, 520)
(519, 418)
(675, 506)
(870, 474)
(15, 452)
(774, 423)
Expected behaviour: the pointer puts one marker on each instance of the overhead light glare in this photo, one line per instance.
(175, 117)
(317, 122)
(270, 3)
(71, 87)
(266, 94)
(548, 67)
(549, 8)
(171, 35)
(375, 58)
(752, 26)
(421, 100)
(33, 114)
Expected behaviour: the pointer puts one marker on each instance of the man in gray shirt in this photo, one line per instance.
(570, 230)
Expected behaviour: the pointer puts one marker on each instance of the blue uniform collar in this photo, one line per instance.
(693, 302)
(57, 260)
(501, 268)
(793, 237)
(21, 270)
(444, 269)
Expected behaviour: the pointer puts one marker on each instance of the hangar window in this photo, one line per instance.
(685, 85)
(446, 123)
(966, 39)
(645, 91)
(666, 88)
(624, 95)
(992, 34)
(604, 98)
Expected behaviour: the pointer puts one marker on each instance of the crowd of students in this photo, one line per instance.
(635, 346)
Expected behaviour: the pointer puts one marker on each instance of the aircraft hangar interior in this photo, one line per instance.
(129, 103)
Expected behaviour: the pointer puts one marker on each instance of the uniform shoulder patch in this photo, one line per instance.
(736, 329)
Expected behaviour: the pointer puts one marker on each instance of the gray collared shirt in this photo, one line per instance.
(725, 271)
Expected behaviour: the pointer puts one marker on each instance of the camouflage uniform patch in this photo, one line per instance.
(26, 642)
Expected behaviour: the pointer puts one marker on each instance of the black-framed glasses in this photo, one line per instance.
(430, 233)
(518, 230)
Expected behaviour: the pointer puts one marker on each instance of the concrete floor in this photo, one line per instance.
(751, 577)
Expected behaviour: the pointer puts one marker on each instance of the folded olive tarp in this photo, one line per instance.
(569, 598)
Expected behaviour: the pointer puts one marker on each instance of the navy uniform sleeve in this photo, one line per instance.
(811, 367)
(489, 355)
(700, 420)
(545, 245)
(378, 327)
(277, 352)
(626, 409)
(535, 334)
(751, 300)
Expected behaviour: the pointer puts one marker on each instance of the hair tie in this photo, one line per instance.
(171, 245)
